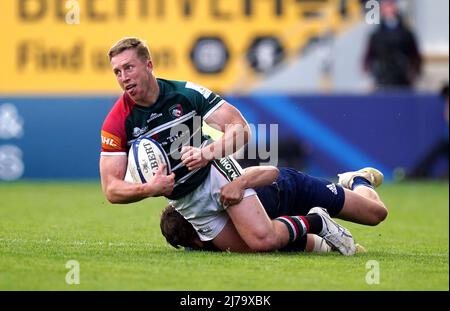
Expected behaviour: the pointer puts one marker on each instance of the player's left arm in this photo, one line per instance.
(228, 120)
(253, 177)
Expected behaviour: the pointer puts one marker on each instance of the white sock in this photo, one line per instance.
(320, 246)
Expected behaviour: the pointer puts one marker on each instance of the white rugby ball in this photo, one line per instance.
(144, 158)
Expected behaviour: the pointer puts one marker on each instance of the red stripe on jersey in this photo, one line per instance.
(114, 136)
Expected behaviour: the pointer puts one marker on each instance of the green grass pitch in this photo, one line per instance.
(43, 225)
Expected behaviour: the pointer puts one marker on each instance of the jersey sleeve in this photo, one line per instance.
(113, 135)
(205, 101)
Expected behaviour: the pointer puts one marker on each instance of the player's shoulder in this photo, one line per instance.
(121, 106)
(186, 88)
(113, 129)
(119, 111)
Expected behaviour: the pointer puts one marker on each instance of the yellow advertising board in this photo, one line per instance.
(60, 46)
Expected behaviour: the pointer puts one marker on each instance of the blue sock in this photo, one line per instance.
(361, 181)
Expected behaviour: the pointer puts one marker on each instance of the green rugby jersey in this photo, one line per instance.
(174, 120)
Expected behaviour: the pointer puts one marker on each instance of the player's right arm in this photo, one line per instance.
(114, 160)
(118, 191)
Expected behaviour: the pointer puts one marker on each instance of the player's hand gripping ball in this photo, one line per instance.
(144, 158)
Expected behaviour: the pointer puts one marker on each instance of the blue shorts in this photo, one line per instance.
(295, 193)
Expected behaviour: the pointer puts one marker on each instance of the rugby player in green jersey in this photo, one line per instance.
(172, 113)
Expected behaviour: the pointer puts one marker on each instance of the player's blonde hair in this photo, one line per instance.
(142, 50)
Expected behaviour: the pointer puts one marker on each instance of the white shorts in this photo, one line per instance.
(202, 207)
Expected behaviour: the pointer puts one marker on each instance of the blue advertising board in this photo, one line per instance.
(48, 137)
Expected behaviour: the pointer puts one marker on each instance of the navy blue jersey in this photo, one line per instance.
(295, 193)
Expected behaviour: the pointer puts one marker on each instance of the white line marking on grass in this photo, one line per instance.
(73, 243)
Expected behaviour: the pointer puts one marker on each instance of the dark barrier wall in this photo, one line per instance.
(59, 137)
(390, 131)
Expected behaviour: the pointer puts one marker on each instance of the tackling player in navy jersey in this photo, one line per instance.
(285, 191)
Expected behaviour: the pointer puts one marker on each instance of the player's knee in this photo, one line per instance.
(383, 213)
(263, 243)
(261, 246)
(379, 215)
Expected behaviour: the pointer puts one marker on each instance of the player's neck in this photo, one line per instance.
(152, 95)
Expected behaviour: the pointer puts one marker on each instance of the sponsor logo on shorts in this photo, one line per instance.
(204, 230)
(230, 169)
(332, 188)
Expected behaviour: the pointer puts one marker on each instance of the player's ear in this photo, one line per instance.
(150, 65)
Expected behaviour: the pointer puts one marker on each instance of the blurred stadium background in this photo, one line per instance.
(297, 64)
(294, 63)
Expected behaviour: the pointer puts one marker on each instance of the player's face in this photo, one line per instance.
(133, 74)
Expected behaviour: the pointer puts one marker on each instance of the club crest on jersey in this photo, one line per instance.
(176, 111)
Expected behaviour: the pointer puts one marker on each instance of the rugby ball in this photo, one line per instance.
(144, 158)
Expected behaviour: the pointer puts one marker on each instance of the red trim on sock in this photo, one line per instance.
(305, 221)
